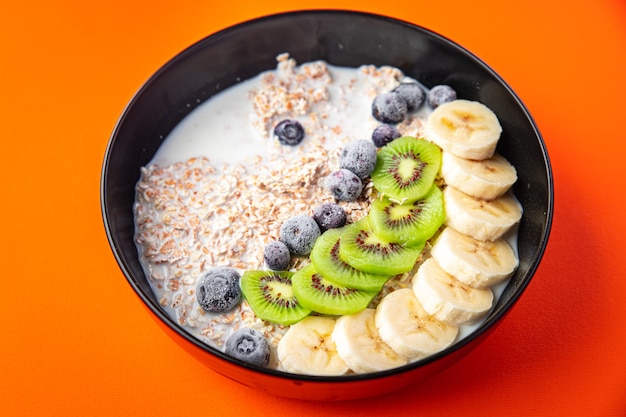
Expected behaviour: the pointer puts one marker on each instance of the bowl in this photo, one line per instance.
(342, 38)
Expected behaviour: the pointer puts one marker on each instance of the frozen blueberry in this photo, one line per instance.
(359, 156)
(389, 108)
(218, 290)
(344, 185)
(289, 132)
(248, 345)
(383, 134)
(329, 216)
(276, 256)
(299, 234)
(412, 93)
(440, 94)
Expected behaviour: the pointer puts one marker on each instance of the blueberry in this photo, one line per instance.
(359, 156)
(289, 132)
(344, 185)
(218, 290)
(389, 108)
(440, 94)
(383, 134)
(329, 216)
(412, 93)
(299, 234)
(276, 256)
(248, 345)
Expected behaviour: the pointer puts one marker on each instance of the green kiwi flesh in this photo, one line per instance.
(409, 223)
(406, 168)
(321, 295)
(271, 296)
(328, 262)
(364, 250)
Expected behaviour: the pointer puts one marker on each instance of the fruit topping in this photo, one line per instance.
(218, 290)
(344, 185)
(321, 295)
(412, 93)
(250, 346)
(383, 134)
(328, 262)
(358, 156)
(410, 223)
(389, 108)
(440, 94)
(406, 169)
(276, 256)
(289, 132)
(329, 216)
(299, 234)
(366, 251)
(270, 295)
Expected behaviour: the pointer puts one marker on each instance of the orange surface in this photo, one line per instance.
(76, 341)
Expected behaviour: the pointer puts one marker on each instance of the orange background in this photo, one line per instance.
(76, 341)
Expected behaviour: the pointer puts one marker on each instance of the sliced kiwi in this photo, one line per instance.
(370, 253)
(321, 295)
(271, 297)
(406, 168)
(409, 223)
(327, 261)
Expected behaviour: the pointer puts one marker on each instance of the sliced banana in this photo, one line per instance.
(360, 346)
(410, 331)
(448, 299)
(468, 129)
(486, 179)
(476, 263)
(307, 348)
(480, 219)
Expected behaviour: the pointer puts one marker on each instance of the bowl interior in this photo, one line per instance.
(341, 38)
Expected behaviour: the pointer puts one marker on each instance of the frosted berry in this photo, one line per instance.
(440, 94)
(383, 134)
(276, 256)
(289, 132)
(389, 108)
(329, 216)
(299, 234)
(248, 345)
(358, 156)
(218, 290)
(412, 93)
(344, 185)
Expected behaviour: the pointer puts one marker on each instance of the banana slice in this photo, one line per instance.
(476, 263)
(486, 179)
(448, 299)
(480, 219)
(307, 348)
(413, 333)
(468, 129)
(360, 346)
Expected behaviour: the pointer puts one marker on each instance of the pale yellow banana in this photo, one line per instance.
(307, 348)
(468, 129)
(360, 346)
(476, 263)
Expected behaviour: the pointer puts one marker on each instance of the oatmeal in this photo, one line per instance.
(220, 186)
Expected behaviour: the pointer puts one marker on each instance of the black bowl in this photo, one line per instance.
(342, 38)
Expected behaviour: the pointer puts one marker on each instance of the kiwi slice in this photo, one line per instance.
(271, 297)
(409, 223)
(323, 296)
(370, 253)
(406, 168)
(325, 257)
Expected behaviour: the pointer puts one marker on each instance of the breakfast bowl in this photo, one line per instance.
(343, 39)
